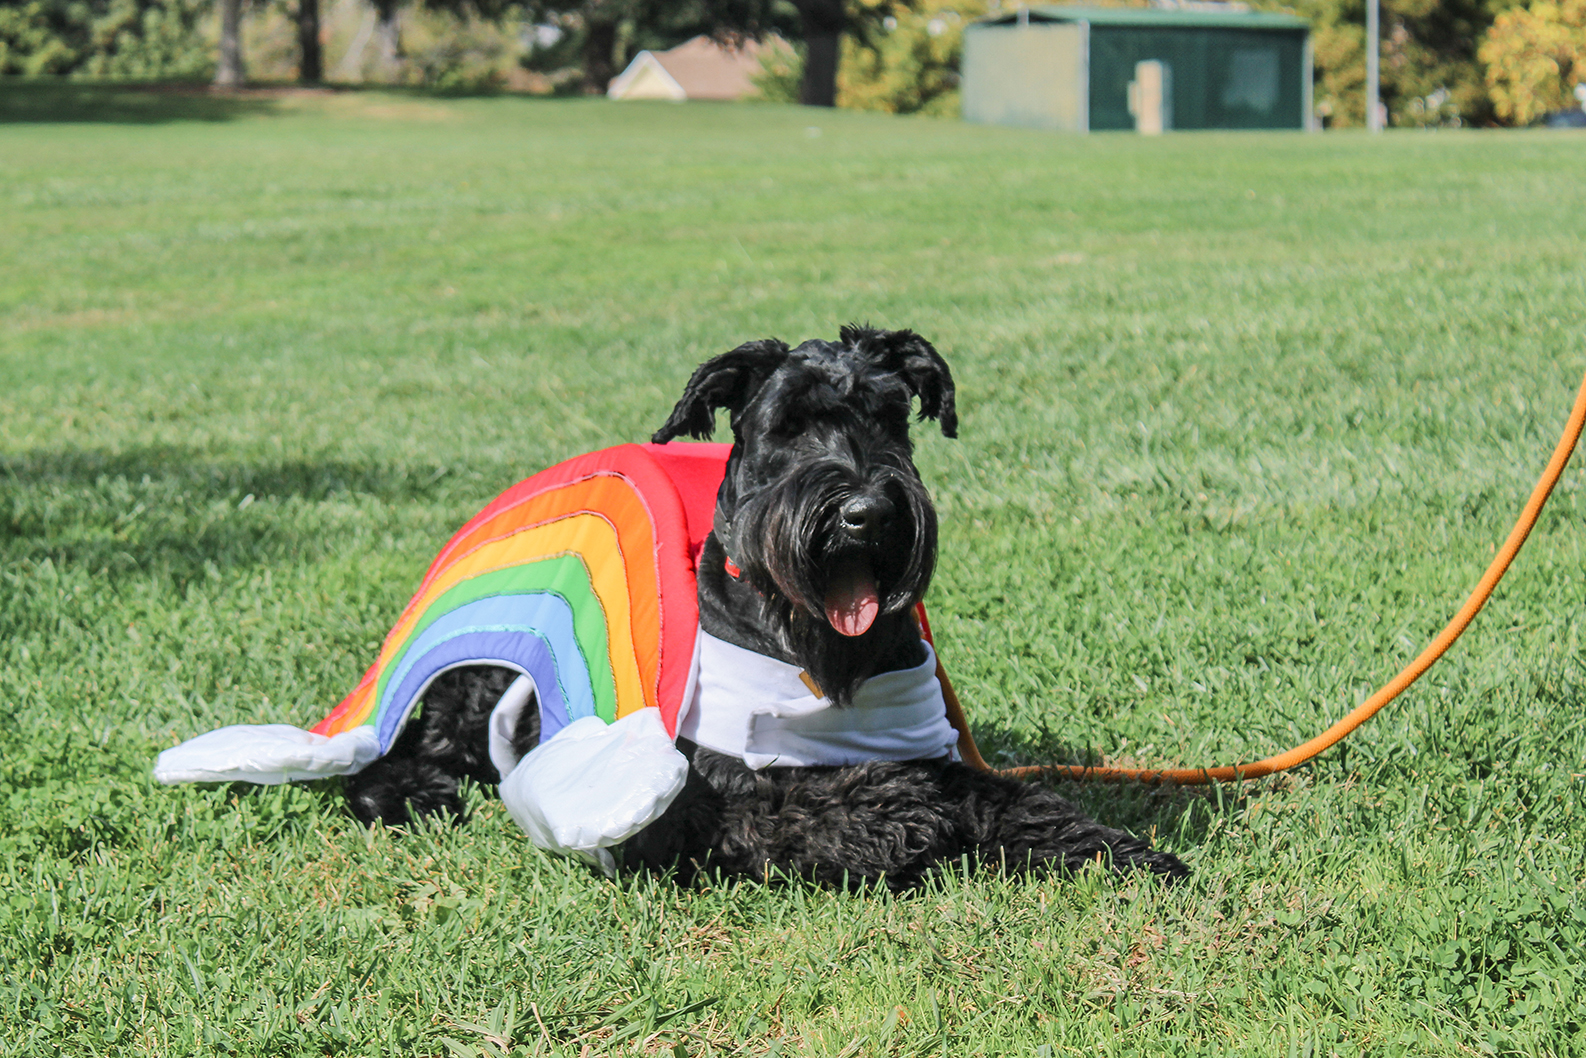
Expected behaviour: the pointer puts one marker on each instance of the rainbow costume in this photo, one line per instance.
(582, 579)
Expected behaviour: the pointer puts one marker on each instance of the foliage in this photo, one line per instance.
(1242, 418)
(903, 63)
(781, 71)
(451, 44)
(457, 49)
(122, 39)
(454, 47)
(1535, 55)
(599, 38)
(908, 64)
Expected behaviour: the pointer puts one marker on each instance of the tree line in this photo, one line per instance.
(1443, 62)
(146, 39)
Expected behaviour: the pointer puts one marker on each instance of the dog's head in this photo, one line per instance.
(822, 509)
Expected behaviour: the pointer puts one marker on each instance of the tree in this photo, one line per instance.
(823, 22)
(607, 33)
(606, 24)
(392, 61)
(911, 65)
(129, 39)
(1534, 57)
(1430, 73)
(388, 34)
(311, 65)
(229, 72)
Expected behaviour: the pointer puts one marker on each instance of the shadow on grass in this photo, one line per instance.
(79, 102)
(171, 512)
(44, 102)
(1136, 807)
(309, 479)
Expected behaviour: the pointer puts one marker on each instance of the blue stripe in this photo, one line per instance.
(532, 632)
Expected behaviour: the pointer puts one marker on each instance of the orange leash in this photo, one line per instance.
(1359, 715)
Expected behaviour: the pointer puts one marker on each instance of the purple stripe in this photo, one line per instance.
(519, 650)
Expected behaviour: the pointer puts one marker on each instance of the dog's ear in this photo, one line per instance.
(918, 363)
(727, 381)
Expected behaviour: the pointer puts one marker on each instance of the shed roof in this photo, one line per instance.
(1156, 17)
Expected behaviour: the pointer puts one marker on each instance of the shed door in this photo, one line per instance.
(1222, 78)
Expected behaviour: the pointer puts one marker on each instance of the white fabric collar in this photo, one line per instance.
(758, 708)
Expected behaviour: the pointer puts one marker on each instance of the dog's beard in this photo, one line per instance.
(791, 547)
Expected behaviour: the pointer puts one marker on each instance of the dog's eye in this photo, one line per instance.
(787, 426)
(895, 419)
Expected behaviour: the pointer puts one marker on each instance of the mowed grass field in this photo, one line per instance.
(1243, 419)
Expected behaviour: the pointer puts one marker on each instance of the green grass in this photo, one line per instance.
(1243, 419)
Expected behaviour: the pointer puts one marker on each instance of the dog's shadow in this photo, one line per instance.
(1172, 816)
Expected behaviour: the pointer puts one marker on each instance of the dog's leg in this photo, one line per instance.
(867, 824)
(686, 837)
(445, 742)
(880, 822)
(1025, 826)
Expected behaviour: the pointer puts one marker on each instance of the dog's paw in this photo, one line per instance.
(400, 790)
(1167, 868)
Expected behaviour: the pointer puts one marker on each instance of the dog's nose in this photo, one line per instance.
(864, 517)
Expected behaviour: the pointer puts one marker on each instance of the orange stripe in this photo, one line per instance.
(334, 723)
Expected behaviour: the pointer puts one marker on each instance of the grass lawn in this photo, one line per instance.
(1243, 418)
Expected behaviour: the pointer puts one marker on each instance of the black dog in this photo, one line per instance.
(824, 540)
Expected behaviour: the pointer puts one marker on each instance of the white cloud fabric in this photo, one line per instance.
(267, 754)
(594, 785)
(758, 708)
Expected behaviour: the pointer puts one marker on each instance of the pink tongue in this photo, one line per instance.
(851, 600)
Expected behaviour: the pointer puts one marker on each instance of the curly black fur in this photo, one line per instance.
(821, 480)
(447, 740)
(883, 822)
(820, 433)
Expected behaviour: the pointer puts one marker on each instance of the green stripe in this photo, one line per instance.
(564, 575)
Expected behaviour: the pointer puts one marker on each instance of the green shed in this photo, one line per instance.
(1185, 66)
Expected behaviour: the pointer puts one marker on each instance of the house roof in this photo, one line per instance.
(700, 68)
(1198, 16)
(646, 78)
